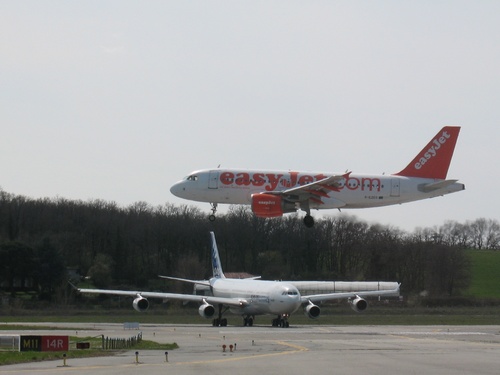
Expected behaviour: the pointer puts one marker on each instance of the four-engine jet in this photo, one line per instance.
(274, 193)
(251, 297)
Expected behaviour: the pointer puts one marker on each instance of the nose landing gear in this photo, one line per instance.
(211, 217)
(281, 321)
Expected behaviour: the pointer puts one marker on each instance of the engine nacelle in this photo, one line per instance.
(206, 311)
(140, 304)
(267, 205)
(358, 304)
(312, 311)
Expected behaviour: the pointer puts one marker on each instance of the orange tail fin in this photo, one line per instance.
(435, 158)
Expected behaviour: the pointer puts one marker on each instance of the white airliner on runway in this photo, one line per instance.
(251, 297)
(273, 193)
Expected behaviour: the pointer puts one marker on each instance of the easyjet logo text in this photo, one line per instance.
(271, 181)
(433, 150)
(267, 203)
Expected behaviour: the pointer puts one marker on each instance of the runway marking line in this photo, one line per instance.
(297, 349)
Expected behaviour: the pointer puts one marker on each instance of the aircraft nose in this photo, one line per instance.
(177, 189)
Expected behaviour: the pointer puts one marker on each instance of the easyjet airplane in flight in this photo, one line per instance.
(274, 193)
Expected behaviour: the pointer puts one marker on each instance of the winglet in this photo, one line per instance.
(435, 158)
(216, 264)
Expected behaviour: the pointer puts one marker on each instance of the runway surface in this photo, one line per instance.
(306, 350)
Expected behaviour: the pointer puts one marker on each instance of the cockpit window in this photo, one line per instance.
(193, 177)
(290, 293)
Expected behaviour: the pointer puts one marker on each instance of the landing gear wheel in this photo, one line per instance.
(281, 322)
(214, 210)
(219, 321)
(308, 221)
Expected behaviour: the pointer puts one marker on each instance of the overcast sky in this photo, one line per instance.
(117, 100)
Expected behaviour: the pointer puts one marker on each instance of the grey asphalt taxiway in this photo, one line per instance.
(302, 349)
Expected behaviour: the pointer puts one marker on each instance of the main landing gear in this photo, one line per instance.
(248, 321)
(308, 221)
(211, 217)
(219, 321)
(281, 321)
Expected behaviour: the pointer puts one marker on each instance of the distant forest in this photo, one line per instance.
(43, 242)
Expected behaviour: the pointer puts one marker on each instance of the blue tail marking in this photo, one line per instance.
(216, 265)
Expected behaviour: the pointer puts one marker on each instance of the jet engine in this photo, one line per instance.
(312, 311)
(206, 310)
(270, 205)
(267, 205)
(140, 304)
(358, 304)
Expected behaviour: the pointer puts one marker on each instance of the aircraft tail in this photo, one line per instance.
(435, 158)
(216, 264)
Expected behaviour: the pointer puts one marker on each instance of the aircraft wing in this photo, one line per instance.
(235, 302)
(333, 296)
(315, 190)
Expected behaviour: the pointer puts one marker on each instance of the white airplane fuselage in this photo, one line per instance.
(261, 296)
(236, 186)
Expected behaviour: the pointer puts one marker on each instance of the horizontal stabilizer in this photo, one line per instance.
(427, 188)
(199, 282)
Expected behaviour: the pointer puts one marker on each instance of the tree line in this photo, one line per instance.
(40, 239)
